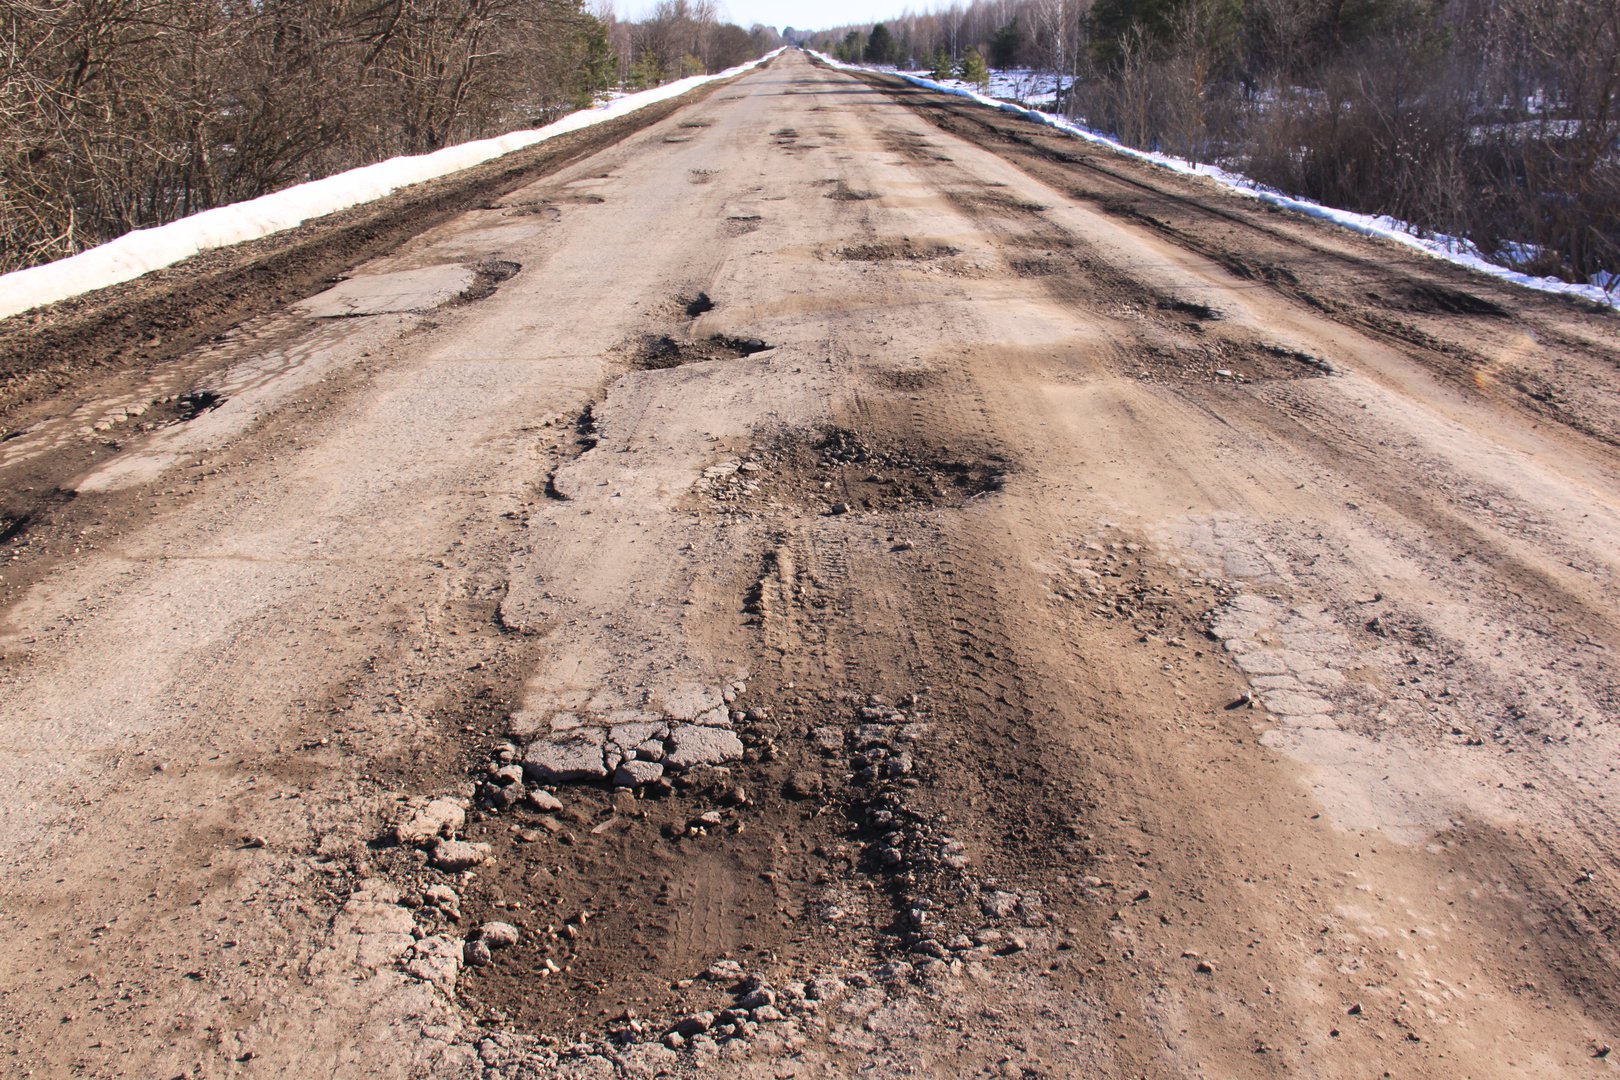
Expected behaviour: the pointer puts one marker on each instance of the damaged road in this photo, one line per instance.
(837, 579)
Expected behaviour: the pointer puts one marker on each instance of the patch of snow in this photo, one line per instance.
(1453, 249)
(1023, 85)
(145, 250)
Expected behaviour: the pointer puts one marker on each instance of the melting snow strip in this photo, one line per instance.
(145, 250)
(1449, 248)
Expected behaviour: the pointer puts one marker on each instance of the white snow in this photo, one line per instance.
(1025, 86)
(145, 250)
(1450, 248)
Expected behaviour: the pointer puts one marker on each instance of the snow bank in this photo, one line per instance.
(144, 250)
(1450, 248)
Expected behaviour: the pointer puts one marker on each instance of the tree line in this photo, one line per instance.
(122, 114)
(1493, 120)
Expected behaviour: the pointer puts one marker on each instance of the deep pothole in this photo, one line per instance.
(838, 471)
(658, 352)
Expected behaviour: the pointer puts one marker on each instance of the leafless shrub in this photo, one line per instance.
(119, 114)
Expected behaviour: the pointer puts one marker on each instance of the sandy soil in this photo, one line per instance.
(876, 586)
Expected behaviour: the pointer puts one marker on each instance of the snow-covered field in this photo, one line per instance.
(145, 250)
(1604, 288)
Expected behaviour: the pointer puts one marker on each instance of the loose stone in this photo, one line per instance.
(693, 745)
(635, 773)
(498, 935)
(476, 953)
(576, 754)
(458, 855)
(441, 817)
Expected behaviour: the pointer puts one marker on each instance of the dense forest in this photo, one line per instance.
(119, 114)
(1493, 120)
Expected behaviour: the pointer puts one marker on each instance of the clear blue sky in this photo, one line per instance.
(799, 14)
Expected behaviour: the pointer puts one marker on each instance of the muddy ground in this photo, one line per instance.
(823, 579)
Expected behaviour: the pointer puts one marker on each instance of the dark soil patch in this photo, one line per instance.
(742, 224)
(697, 305)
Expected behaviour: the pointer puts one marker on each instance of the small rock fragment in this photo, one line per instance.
(575, 754)
(498, 935)
(696, 1024)
(476, 953)
(692, 745)
(445, 899)
(635, 773)
(757, 998)
(724, 971)
(455, 856)
(803, 784)
(441, 817)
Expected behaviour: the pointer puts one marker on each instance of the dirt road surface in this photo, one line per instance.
(852, 582)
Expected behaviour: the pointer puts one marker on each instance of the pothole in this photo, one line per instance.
(487, 277)
(993, 199)
(1217, 361)
(188, 407)
(838, 471)
(601, 903)
(742, 224)
(17, 521)
(901, 250)
(700, 176)
(842, 192)
(696, 305)
(1036, 266)
(656, 352)
(1191, 308)
(909, 380)
(1433, 299)
(547, 205)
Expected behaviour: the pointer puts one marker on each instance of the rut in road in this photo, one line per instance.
(857, 583)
